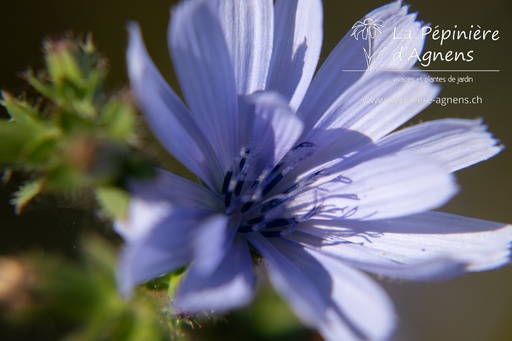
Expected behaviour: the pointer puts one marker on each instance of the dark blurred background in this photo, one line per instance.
(472, 308)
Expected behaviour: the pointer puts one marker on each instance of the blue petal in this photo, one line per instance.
(453, 143)
(153, 199)
(230, 286)
(332, 147)
(143, 216)
(308, 302)
(166, 246)
(423, 238)
(385, 187)
(360, 300)
(334, 77)
(349, 246)
(213, 238)
(178, 191)
(457, 143)
(397, 23)
(375, 106)
(269, 128)
(296, 49)
(341, 303)
(248, 29)
(168, 118)
(206, 75)
(159, 228)
(426, 246)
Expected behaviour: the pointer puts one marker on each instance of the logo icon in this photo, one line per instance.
(368, 30)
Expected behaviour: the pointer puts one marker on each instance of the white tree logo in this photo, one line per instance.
(368, 30)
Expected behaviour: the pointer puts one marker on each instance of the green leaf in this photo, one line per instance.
(119, 118)
(15, 137)
(71, 123)
(61, 63)
(113, 200)
(45, 89)
(174, 280)
(19, 110)
(40, 151)
(65, 178)
(159, 283)
(26, 193)
(81, 298)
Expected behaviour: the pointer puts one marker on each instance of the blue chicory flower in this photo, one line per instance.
(300, 170)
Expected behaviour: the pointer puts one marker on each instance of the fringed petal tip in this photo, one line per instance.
(424, 247)
(395, 8)
(509, 256)
(480, 125)
(456, 143)
(489, 146)
(501, 256)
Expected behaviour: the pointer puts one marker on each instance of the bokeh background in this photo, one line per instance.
(472, 308)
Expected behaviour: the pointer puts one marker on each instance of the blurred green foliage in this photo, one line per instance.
(75, 136)
(44, 289)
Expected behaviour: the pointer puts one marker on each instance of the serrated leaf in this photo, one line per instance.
(26, 193)
(44, 89)
(19, 110)
(61, 63)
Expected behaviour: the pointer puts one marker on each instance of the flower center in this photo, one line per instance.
(259, 199)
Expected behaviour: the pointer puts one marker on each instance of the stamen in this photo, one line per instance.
(292, 188)
(271, 204)
(255, 221)
(276, 168)
(229, 185)
(272, 183)
(239, 185)
(307, 181)
(227, 180)
(245, 229)
(291, 160)
(241, 165)
(271, 234)
(247, 206)
(280, 222)
(227, 200)
(303, 145)
(247, 197)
